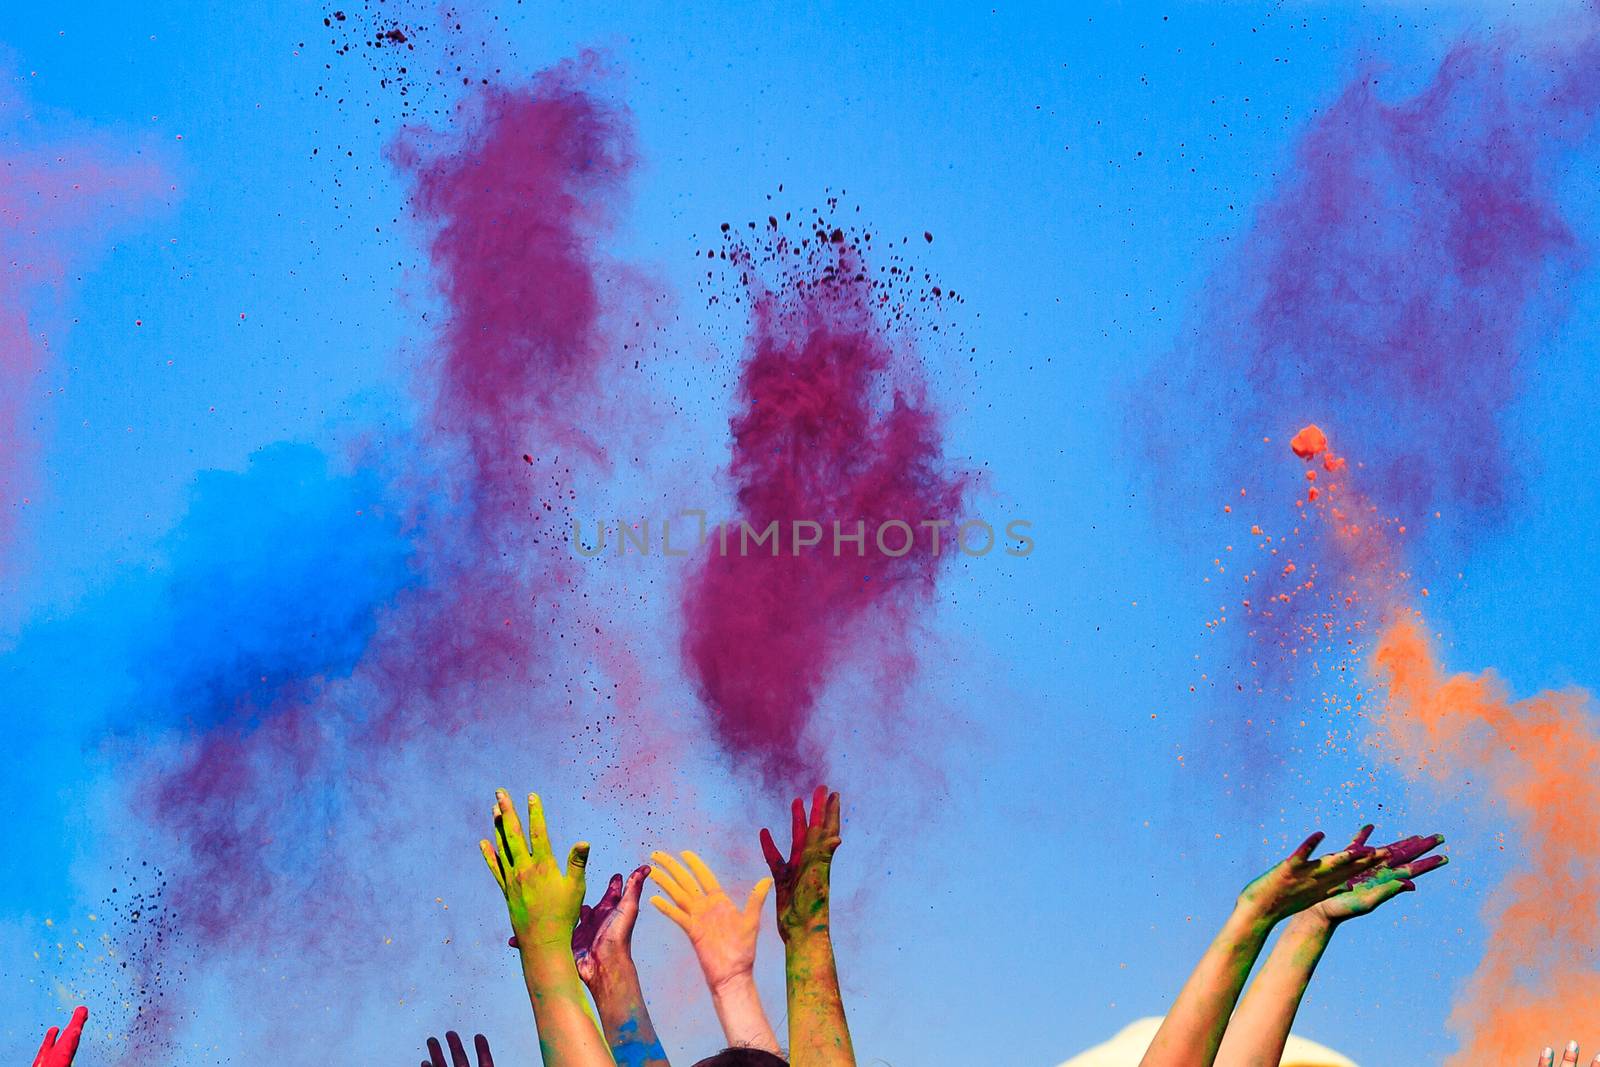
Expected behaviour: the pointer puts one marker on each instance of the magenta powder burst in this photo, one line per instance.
(328, 625)
(833, 425)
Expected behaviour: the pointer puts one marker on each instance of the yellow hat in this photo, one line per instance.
(1131, 1043)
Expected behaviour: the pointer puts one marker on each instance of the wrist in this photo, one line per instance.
(731, 983)
(1255, 912)
(613, 971)
(543, 935)
(1311, 924)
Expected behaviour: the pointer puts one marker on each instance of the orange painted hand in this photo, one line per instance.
(1407, 862)
(1299, 882)
(542, 899)
(723, 935)
(57, 1051)
(802, 879)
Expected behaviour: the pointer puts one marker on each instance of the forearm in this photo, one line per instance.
(1192, 1031)
(818, 1033)
(624, 1017)
(1260, 1027)
(744, 1020)
(568, 1035)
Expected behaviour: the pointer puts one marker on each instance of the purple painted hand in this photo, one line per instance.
(458, 1054)
(1406, 862)
(605, 932)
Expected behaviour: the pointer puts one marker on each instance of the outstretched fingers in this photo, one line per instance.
(757, 897)
(481, 1045)
(577, 860)
(492, 858)
(672, 911)
(769, 852)
(513, 843)
(1307, 847)
(633, 888)
(702, 873)
(49, 1043)
(797, 829)
(610, 898)
(458, 1052)
(819, 801)
(681, 876)
(538, 830)
(663, 877)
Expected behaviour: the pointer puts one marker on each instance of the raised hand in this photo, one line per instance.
(543, 900)
(458, 1054)
(61, 1045)
(604, 934)
(724, 938)
(1406, 863)
(1260, 1026)
(1298, 881)
(818, 1033)
(544, 903)
(802, 879)
(602, 950)
(1192, 1032)
(723, 935)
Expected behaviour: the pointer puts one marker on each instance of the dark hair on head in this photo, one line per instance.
(743, 1057)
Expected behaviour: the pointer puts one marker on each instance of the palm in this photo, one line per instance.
(723, 935)
(605, 931)
(802, 880)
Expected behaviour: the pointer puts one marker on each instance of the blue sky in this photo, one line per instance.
(1083, 169)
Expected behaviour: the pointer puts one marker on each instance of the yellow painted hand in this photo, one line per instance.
(723, 935)
(543, 900)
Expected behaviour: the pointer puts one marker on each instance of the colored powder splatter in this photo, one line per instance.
(1390, 285)
(57, 209)
(1391, 279)
(1309, 442)
(518, 204)
(312, 625)
(1537, 757)
(833, 426)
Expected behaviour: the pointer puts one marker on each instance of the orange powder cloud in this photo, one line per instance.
(1540, 758)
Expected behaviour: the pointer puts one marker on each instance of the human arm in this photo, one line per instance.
(1260, 1026)
(818, 1033)
(1192, 1031)
(543, 902)
(724, 940)
(602, 947)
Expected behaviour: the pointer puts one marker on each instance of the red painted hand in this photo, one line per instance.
(60, 1046)
(801, 881)
(458, 1054)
